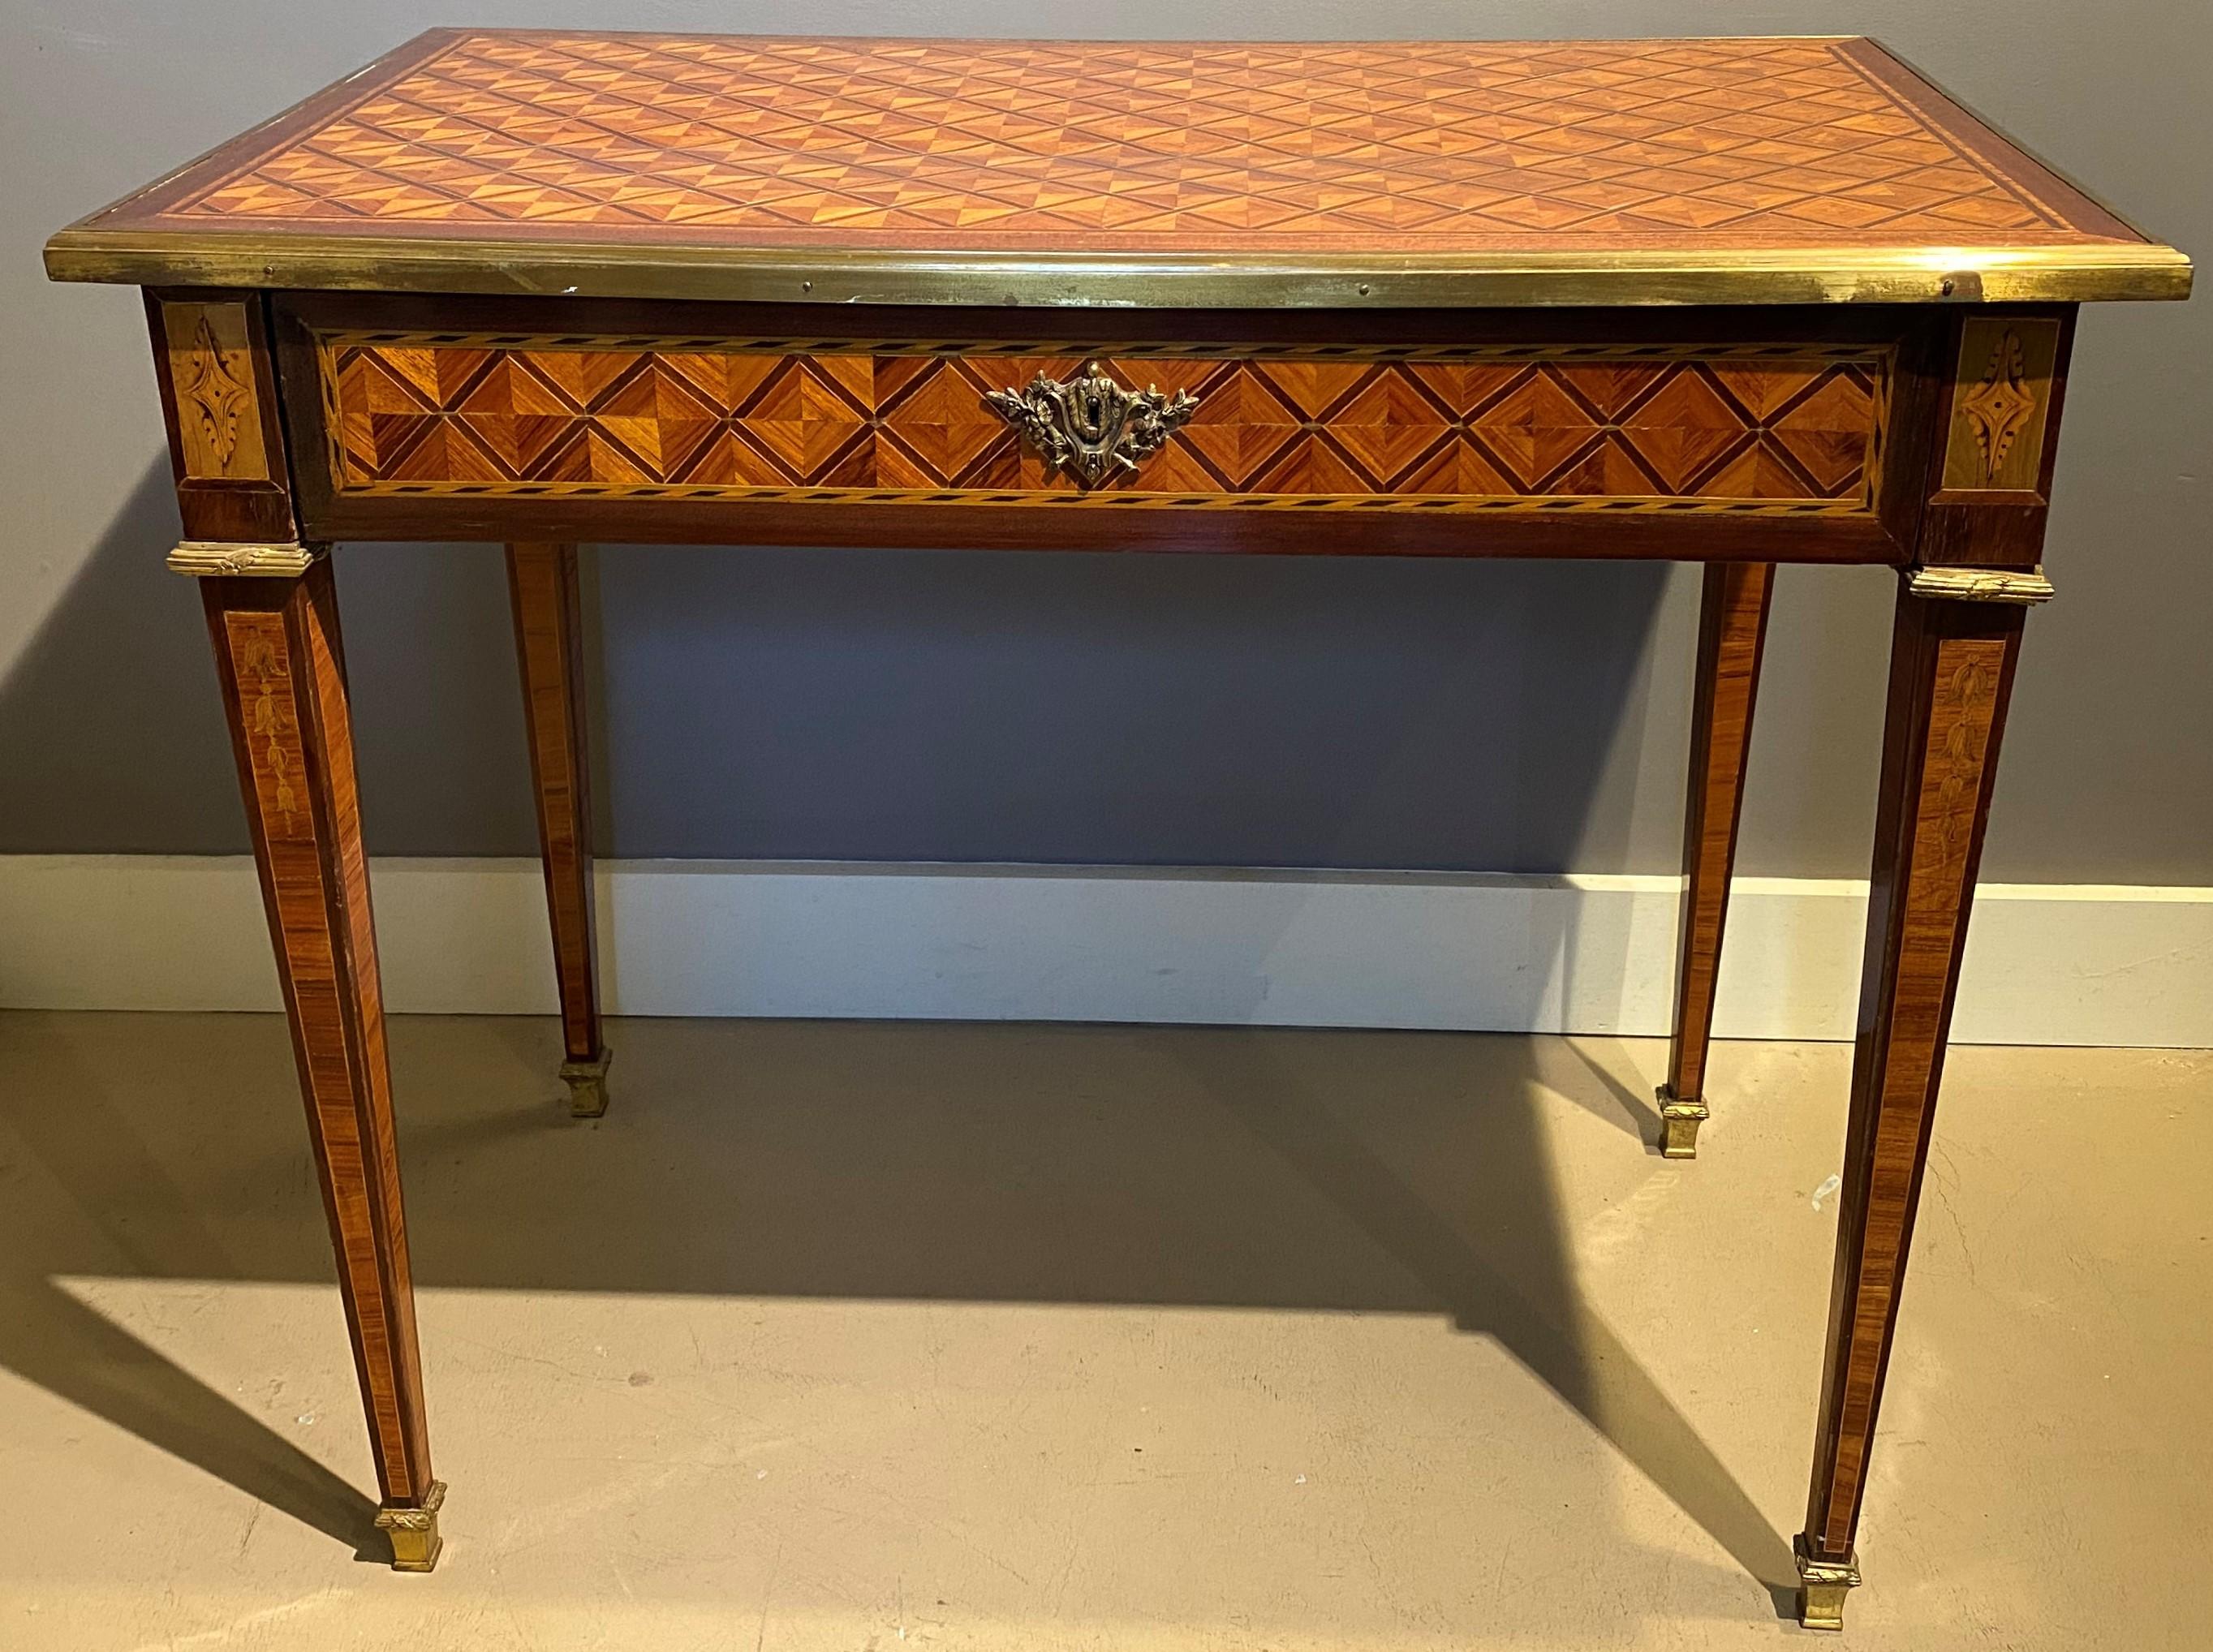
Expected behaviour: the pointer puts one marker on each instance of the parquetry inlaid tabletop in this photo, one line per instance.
(1820, 168)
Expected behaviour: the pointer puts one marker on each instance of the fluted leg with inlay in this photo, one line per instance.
(548, 635)
(283, 685)
(1952, 669)
(1732, 630)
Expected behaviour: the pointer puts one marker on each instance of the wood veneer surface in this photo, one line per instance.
(1131, 146)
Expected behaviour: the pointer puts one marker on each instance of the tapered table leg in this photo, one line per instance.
(283, 685)
(1952, 666)
(542, 580)
(1732, 630)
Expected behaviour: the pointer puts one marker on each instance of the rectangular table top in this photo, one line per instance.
(1158, 173)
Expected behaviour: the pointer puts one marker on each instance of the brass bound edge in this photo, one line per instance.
(208, 559)
(848, 275)
(1822, 1585)
(1980, 584)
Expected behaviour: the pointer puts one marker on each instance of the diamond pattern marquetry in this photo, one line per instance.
(1437, 146)
(1725, 428)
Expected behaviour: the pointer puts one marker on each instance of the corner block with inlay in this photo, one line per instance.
(272, 611)
(1955, 644)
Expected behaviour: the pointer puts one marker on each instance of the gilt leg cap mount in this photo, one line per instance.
(1679, 1124)
(1822, 1585)
(414, 1532)
(587, 1085)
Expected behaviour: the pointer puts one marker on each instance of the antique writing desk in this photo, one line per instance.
(1739, 303)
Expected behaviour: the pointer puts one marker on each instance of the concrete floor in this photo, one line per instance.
(855, 1336)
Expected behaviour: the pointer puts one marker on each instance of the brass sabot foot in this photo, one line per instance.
(1822, 1585)
(587, 1085)
(1679, 1124)
(414, 1531)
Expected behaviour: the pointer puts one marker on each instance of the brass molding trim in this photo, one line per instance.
(209, 559)
(1822, 1585)
(1980, 584)
(414, 1531)
(1815, 275)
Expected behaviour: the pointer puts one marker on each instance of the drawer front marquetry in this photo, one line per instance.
(1794, 429)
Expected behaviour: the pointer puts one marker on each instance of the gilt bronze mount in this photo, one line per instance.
(414, 1532)
(1679, 1119)
(587, 1084)
(203, 559)
(1980, 584)
(1090, 426)
(1822, 1586)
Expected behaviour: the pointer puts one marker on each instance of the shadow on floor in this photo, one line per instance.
(1376, 1172)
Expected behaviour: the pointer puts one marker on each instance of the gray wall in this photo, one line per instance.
(1098, 708)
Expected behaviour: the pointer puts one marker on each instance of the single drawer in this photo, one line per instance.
(1760, 429)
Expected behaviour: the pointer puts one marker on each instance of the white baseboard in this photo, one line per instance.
(2046, 963)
